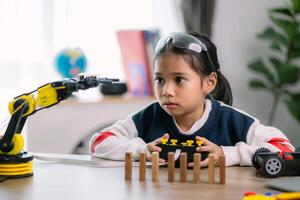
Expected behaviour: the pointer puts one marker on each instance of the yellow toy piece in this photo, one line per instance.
(199, 143)
(190, 143)
(173, 142)
(163, 140)
(31, 105)
(183, 143)
(20, 169)
(47, 95)
(259, 197)
(18, 141)
(288, 196)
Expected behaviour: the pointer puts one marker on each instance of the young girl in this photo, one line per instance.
(193, 102)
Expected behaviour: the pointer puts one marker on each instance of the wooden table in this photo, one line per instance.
(54, 180)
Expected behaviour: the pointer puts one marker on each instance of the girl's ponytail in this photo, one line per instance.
(222, 91)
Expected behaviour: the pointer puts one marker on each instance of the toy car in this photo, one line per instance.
(187, 147)
(276, 164)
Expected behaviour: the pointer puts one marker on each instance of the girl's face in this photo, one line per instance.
(179, 89)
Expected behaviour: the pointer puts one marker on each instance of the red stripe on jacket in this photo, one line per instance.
(278, 142)
(99, 139)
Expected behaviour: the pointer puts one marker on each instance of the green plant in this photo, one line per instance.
(281, 73)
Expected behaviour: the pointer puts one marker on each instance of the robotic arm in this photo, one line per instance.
(11, 144)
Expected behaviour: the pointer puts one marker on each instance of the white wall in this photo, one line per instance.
(235, 27)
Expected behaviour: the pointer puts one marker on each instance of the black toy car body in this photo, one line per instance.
(277, 164)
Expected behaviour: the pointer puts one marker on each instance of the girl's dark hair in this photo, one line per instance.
(202, 66)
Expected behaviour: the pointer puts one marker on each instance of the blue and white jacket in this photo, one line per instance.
(235, 131)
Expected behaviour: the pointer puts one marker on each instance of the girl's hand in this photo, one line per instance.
(151, 147)
(212, 149)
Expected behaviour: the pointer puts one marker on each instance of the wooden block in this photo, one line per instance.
(183, 167)
(197, 167)
(142, 166)
(155, 166)
(222, 170)
(128, 166)
(171, 167)
(211, 169)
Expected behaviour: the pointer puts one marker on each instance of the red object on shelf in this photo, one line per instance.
(137, 58)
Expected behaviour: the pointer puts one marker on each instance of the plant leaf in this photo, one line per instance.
(288, 74)
(259, 67)
(257, 84)
(294, 51)
(295, 96)
(294, 108)
(283, 11)
(289, 27)
(296, 6)
(276, 62)
(294, 54)
(270, 34)
(275, 46)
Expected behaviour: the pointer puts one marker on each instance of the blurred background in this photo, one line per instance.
(35, 34)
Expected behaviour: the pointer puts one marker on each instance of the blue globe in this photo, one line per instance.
(70, 62)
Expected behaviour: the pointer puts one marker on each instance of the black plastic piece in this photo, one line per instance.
(190, 150)
(15, 159)
(113, 89)
(254, 158)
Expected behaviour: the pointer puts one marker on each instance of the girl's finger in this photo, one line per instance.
(152, 147)
(204, 163)
(149, 157)
(198, 138)
(166, 136)
(158, 140)
(207, 148)
(204, 140)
